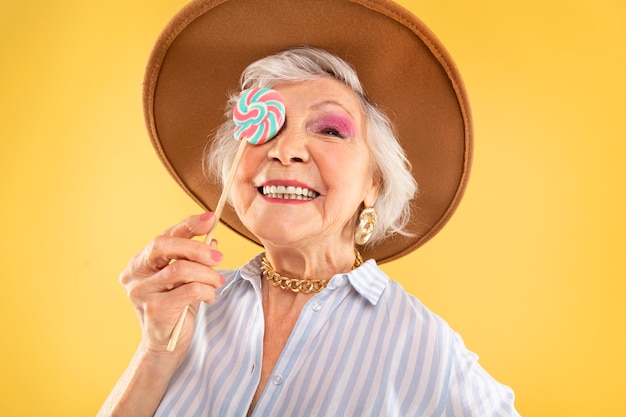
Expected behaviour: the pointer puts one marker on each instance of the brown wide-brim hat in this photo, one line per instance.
(404, 69)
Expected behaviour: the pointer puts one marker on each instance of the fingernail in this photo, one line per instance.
(216, 255)
(205, 216)
(222, 279)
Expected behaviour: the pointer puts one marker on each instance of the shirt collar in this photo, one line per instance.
(251, 272)
(368, 280)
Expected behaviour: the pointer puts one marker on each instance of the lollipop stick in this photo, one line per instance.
(171, 345)
(259, 115)
(224, 196)
(218, 213)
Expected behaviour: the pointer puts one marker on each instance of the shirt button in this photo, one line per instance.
(278, 379)
(341, 281)
(316, 306)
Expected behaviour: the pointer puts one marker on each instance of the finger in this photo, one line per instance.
(192, 226)
(160, 253)
(169, 304)
(181, 273)
(191, 294)
(173, 244)
(159, 304)
(162, 250)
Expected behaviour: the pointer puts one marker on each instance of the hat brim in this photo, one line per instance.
(403, 67)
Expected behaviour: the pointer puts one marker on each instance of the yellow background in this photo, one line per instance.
(530, 270)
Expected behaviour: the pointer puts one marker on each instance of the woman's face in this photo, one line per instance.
(306, 185)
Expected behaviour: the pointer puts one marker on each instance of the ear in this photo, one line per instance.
(372, 194)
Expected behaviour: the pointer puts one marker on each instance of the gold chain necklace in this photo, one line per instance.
(299, 285)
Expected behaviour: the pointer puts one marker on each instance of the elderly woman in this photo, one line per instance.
(307, 328)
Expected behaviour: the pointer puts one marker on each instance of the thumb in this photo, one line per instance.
(192, 226)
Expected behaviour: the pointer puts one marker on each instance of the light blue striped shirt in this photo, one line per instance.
(361, 347)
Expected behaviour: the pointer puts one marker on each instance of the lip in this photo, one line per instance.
(286, 183)
(287, 191)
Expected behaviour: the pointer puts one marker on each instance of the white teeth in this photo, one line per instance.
(289, 192)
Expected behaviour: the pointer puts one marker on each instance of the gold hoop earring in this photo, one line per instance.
(365, 227)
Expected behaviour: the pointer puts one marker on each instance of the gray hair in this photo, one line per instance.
(398, 187)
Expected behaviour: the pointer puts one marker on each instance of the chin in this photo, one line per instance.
(277, 237)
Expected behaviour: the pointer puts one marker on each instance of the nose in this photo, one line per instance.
(288, 147)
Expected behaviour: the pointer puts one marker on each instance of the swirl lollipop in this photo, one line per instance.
(258, 115)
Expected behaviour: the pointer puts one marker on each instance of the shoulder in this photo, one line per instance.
(463, 386)
(400, 305)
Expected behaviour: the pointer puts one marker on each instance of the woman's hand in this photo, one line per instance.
(171, 272)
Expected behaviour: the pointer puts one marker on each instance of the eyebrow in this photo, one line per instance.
(323, 103)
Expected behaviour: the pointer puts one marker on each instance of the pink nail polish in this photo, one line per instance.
(205, 216)
(216, 255)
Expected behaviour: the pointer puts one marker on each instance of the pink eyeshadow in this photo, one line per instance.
(343, 124)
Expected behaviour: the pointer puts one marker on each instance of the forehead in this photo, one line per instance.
(311, 94)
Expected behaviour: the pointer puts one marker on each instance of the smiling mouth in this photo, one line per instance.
(288, 192)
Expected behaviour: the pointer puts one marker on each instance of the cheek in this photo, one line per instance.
(242, 190)
(250, 162)
(345, 171)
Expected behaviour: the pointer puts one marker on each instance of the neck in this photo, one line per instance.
(282, 293)
(313, 264)
(299, 285)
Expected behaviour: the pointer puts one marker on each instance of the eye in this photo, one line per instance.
(333, 125)
(331, 131)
